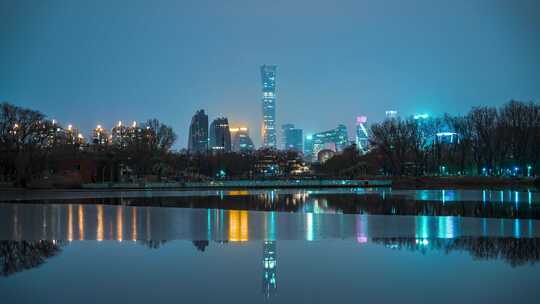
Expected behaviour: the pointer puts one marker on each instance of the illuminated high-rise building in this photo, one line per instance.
(240, 140)
(308, 147)
(362, 138)
(292, 138)
(100, 136)
(198, 133)
(335, 140)
(220, 135)
(268, 75)
(135, 134)
(119, 135)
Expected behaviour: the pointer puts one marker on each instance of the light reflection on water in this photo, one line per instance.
(263, 225)
(31, 234)
(104, 222)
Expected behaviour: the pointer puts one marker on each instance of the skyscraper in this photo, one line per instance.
(220, 135)
(119, 135)
(292, 138)
(268, 75)
(198, 133)
(362, 138)
(240, 140)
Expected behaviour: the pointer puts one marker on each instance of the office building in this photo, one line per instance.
(268, 75)
(391, 114)
(292, 138)
(334, 139)
(362, 137)
(220, 135)
(240, 140)
(198, 133)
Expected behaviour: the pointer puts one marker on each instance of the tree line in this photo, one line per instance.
(502, 141)
(31, 145)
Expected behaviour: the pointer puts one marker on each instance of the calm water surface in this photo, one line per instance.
(289, 246)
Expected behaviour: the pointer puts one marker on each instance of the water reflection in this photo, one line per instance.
(514, 251)
(269, 280)
(16, 256)
(101, 222)
(483, 203)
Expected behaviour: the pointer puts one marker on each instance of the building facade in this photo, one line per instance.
(240, 140)
(334, 139)
(292, 138)
(220, 135)
(362, 137)
(198, 133)
(268, 75)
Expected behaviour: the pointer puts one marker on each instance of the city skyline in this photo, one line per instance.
(366, 58)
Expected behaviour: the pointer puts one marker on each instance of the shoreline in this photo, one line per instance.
(397, 183)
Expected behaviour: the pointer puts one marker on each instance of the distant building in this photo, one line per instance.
(292, 138)
(447, 137)
(284, 128)
(120, 135)
(391, 114)
(135, 133)
(362, 137)
(268, 75)
(308, 147)
(220, 135)
(100, 136)
(334, 139)
(198, 133)
(240, 140)
(56, 135)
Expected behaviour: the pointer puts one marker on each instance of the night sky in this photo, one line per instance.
(89, 62)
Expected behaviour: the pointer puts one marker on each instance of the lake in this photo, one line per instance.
(277, 246)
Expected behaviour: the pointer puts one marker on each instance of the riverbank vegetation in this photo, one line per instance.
(487, 141)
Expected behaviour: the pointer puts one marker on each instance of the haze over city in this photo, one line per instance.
(276, 151)
(99, 61)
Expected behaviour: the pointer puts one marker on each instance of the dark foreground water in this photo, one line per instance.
(267, 246)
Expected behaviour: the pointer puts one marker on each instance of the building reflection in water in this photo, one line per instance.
(81, 222)
(238, 226)
(134, 224)
(70, 223)
(515, 241)
(361, 228)
(120, 223)
(269, 280)
(100, 231)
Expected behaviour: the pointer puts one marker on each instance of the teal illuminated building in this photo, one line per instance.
(335, 139)
(268, 75)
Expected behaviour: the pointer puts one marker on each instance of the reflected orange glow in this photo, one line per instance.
(100, 231)
(119, 223)
(81, 222)
(237, 192)
(70, 223)
(134, 224)
(238, 226)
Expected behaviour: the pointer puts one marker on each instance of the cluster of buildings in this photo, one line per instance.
(219, 136)
(53, 134)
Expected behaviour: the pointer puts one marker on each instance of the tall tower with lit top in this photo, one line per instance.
(268, 75)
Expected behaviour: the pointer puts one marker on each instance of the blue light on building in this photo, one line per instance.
(268, 75)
